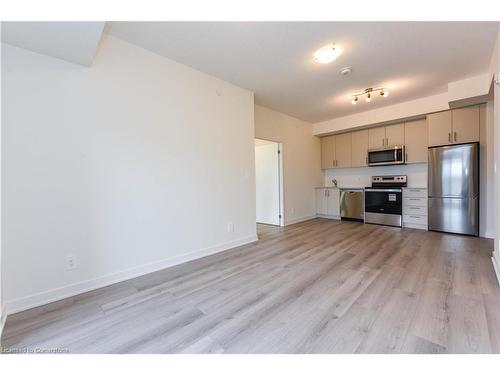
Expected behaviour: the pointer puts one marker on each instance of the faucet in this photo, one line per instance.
(334, 182)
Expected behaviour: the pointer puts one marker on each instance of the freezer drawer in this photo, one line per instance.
(454, 215)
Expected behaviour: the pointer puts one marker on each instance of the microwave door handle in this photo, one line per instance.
(395, 154)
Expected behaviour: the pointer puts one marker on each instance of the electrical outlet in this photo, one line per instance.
(70, 262)
(230, 227)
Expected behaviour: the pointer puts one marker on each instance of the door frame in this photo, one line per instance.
(280, 179)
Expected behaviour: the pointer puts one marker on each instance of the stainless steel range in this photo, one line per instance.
(384, 200)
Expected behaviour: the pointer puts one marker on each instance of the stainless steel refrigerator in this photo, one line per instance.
(453, 183)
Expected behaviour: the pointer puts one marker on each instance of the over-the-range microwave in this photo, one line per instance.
(386, 156)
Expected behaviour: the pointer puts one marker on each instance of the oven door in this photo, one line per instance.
(384, 206)
(386, 156)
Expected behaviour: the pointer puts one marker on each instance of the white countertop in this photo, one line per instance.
(362, 187)
(341, 187)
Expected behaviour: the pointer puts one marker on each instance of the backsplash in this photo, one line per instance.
(361, 177)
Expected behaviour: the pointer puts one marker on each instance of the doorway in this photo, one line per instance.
(268, 182)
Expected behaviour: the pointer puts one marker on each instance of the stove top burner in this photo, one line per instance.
(393, 181)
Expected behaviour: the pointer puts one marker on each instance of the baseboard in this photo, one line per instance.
(39, 299)
(496, 267)
(487, 235)
(300, 219)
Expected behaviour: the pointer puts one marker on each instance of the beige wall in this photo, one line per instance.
(301, 160)
(131, 165)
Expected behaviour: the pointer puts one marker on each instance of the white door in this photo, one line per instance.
(267, 182)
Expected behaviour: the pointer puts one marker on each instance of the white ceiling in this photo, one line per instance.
(274, 59)
(75, 42)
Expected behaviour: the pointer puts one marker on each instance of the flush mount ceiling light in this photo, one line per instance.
(368, 94)
(327, 54)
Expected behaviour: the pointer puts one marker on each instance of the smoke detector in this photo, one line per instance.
(345, 71)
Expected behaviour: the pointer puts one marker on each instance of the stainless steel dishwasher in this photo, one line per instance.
(352, 204)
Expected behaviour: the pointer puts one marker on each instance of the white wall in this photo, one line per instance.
(486, 172)
(361, 177)
(405, 110)
(2, 306)
(267, 182)
(301, 160)
(495, 69)
(133, 164)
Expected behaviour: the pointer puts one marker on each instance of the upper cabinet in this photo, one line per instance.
(343, 150)
(359, 148)
(350, 149)
(376, 137)
(465, 123)
(459, 125)
(385, 136)
(328, 152)
(336, 151)
(416, 141)
(395, 135)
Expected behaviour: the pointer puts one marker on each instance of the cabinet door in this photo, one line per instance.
(376, 137)
(439, 128)
(343, 150)
(465, 124)
(327, 152)
(321, 202)
(395, 135)
(333, 202)
(359, 148)
(416, 141)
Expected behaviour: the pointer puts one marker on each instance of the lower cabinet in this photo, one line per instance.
(415, 208)
(328, 202)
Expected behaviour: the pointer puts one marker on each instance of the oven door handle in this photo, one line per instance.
(385, 190)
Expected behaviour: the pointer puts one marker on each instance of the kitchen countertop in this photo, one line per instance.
(341, 187)
(362, 187)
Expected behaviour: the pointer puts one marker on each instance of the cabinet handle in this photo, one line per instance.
(406, 157)
(449, 137)
(414, 199)
(455, 136)
(415, 217)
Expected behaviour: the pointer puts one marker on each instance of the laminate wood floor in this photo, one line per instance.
(321, 286)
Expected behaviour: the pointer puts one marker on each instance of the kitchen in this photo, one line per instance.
(359, 165)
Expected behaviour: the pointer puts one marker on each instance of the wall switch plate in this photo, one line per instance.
(70, 262)
(497, 78)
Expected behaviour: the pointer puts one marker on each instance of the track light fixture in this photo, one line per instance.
(368, 92)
